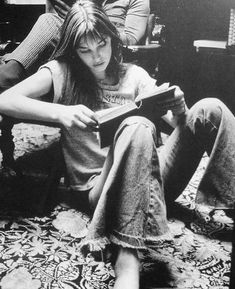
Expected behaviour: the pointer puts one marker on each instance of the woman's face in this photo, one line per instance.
(96, 54)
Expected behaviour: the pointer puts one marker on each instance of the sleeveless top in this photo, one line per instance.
(83, 156)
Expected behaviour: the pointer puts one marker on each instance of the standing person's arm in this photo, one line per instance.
(130, 18)
(61, 7)
(136, 22)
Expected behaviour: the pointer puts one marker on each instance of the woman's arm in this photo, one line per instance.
(23, 101)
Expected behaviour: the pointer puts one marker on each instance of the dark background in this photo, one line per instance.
(200, 75)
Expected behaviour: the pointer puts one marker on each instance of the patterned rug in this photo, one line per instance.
(41, 252)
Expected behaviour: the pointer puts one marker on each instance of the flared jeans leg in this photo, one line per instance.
(131, 209)
(209, 127)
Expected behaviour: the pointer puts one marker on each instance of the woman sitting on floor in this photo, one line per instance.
(129, 16)
(125, 184)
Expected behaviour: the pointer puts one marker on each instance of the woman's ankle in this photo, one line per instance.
(127, 269)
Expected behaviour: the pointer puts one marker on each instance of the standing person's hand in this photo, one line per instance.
(61, 7)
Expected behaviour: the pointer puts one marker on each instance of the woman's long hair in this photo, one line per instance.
(86, 19)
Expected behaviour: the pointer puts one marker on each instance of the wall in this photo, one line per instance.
(21, 17)
(186, 21)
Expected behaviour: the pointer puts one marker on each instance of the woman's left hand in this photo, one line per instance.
(177, 104)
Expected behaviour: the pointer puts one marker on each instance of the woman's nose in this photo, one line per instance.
(96, 56)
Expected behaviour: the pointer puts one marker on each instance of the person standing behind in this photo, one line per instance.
(129, 16)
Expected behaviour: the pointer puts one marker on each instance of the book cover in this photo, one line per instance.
(144, 105)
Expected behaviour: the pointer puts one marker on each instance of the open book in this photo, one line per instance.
(144, 105)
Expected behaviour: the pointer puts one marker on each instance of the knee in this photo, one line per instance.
(11, 73)
(139, 129)
(49, 19)
(139, 121)
(46, 17)
(208, 109)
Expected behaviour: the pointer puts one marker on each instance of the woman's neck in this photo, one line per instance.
(109, 80)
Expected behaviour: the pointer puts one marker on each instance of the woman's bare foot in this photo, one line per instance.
(127, 269)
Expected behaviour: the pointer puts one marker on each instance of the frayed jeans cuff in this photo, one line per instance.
(127, 241)
(133, 242)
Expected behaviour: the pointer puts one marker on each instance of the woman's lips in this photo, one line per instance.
(98, 64)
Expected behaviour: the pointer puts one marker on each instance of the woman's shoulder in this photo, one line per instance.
(58, 71)
(55, 65)
(58, 68)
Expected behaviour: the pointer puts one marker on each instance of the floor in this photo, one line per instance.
(43, 251)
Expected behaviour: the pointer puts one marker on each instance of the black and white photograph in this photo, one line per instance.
(117, 144)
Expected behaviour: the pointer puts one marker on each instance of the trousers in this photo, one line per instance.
(39, 44)
(137, 180)
(208, 127)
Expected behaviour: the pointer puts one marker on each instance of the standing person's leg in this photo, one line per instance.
(130, 210)
(208, 127)
(39, 44)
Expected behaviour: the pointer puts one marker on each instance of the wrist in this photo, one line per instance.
(57, 114)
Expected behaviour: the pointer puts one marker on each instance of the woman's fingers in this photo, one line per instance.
(176, 104)
(80, 116)
(89, 113)
(87, 116)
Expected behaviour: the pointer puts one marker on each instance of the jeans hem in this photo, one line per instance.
(126, 244)
(139, 242)
(94, 245)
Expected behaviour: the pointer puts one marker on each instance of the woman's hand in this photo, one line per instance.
(176, 108)
(78, 115)
(177, 104)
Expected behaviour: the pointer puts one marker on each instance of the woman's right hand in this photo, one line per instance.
(78, 115)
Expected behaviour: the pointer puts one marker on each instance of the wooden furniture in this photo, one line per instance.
(148, 53)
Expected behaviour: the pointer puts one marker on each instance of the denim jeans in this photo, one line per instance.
(131, 210)
(136, 179)
(209, 127)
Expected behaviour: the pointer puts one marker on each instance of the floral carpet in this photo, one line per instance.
(43, 251)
